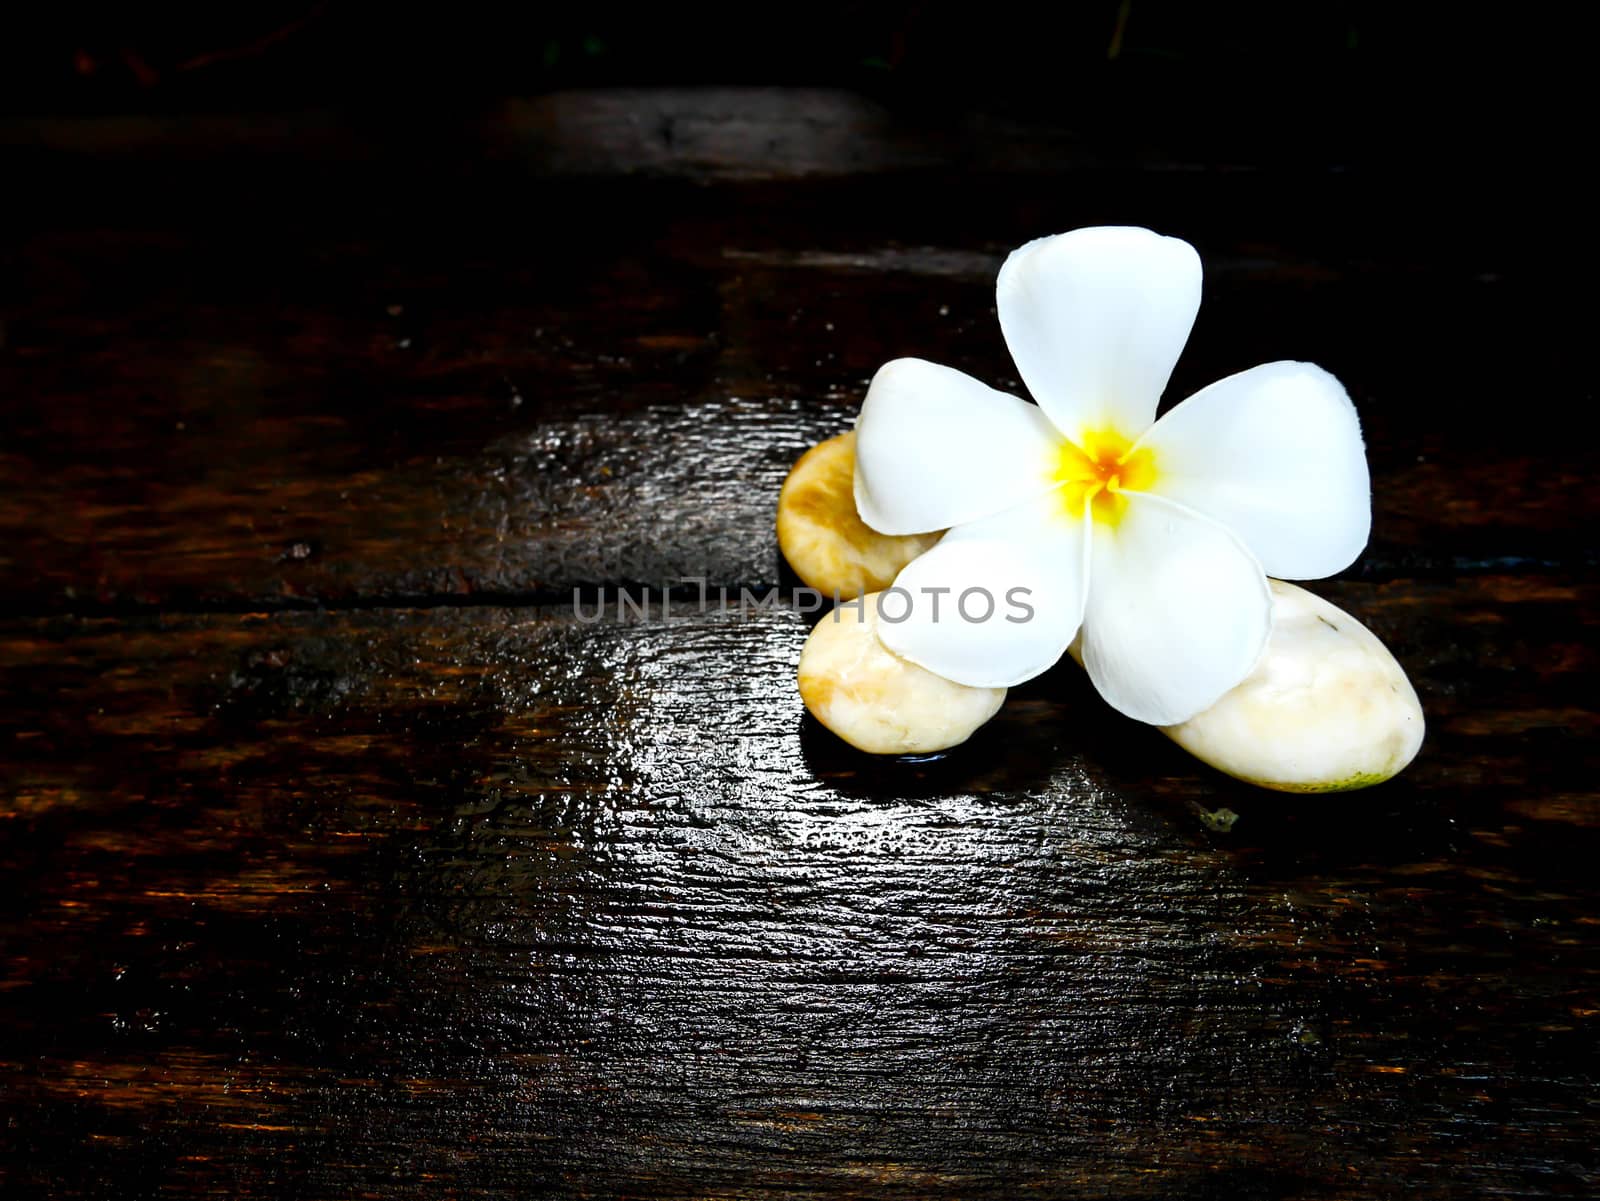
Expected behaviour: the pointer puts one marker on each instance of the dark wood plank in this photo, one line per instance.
(766, 133)
(605, 379)
(479, 899)
(495, 902)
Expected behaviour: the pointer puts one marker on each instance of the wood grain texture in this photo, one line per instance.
(455, 903)
(573, 380)
(341, 858)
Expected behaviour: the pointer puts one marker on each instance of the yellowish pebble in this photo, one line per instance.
(879, 702)
(830, 548)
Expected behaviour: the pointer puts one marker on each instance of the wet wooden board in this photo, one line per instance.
(343, 858)
(461, 901)
(327, 408)
(307, 455)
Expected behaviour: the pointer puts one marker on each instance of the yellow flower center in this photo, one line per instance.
(1096, 471)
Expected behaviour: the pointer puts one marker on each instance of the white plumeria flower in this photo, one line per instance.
(1153, 537)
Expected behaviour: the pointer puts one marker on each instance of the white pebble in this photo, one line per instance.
(1326, 710)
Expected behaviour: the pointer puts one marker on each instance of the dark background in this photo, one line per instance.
(1277, 80)
(1475, 117)
(1472, 122)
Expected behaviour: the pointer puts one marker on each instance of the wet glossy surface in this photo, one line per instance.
(441, 891)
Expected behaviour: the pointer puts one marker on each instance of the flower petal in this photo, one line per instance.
(1178, 613)
(1275, 454)
(1095, 320)
(997, 602)
(935, 448)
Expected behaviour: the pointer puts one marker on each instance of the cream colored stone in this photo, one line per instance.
(1327, 709)
(830, 548)
(879, 702)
